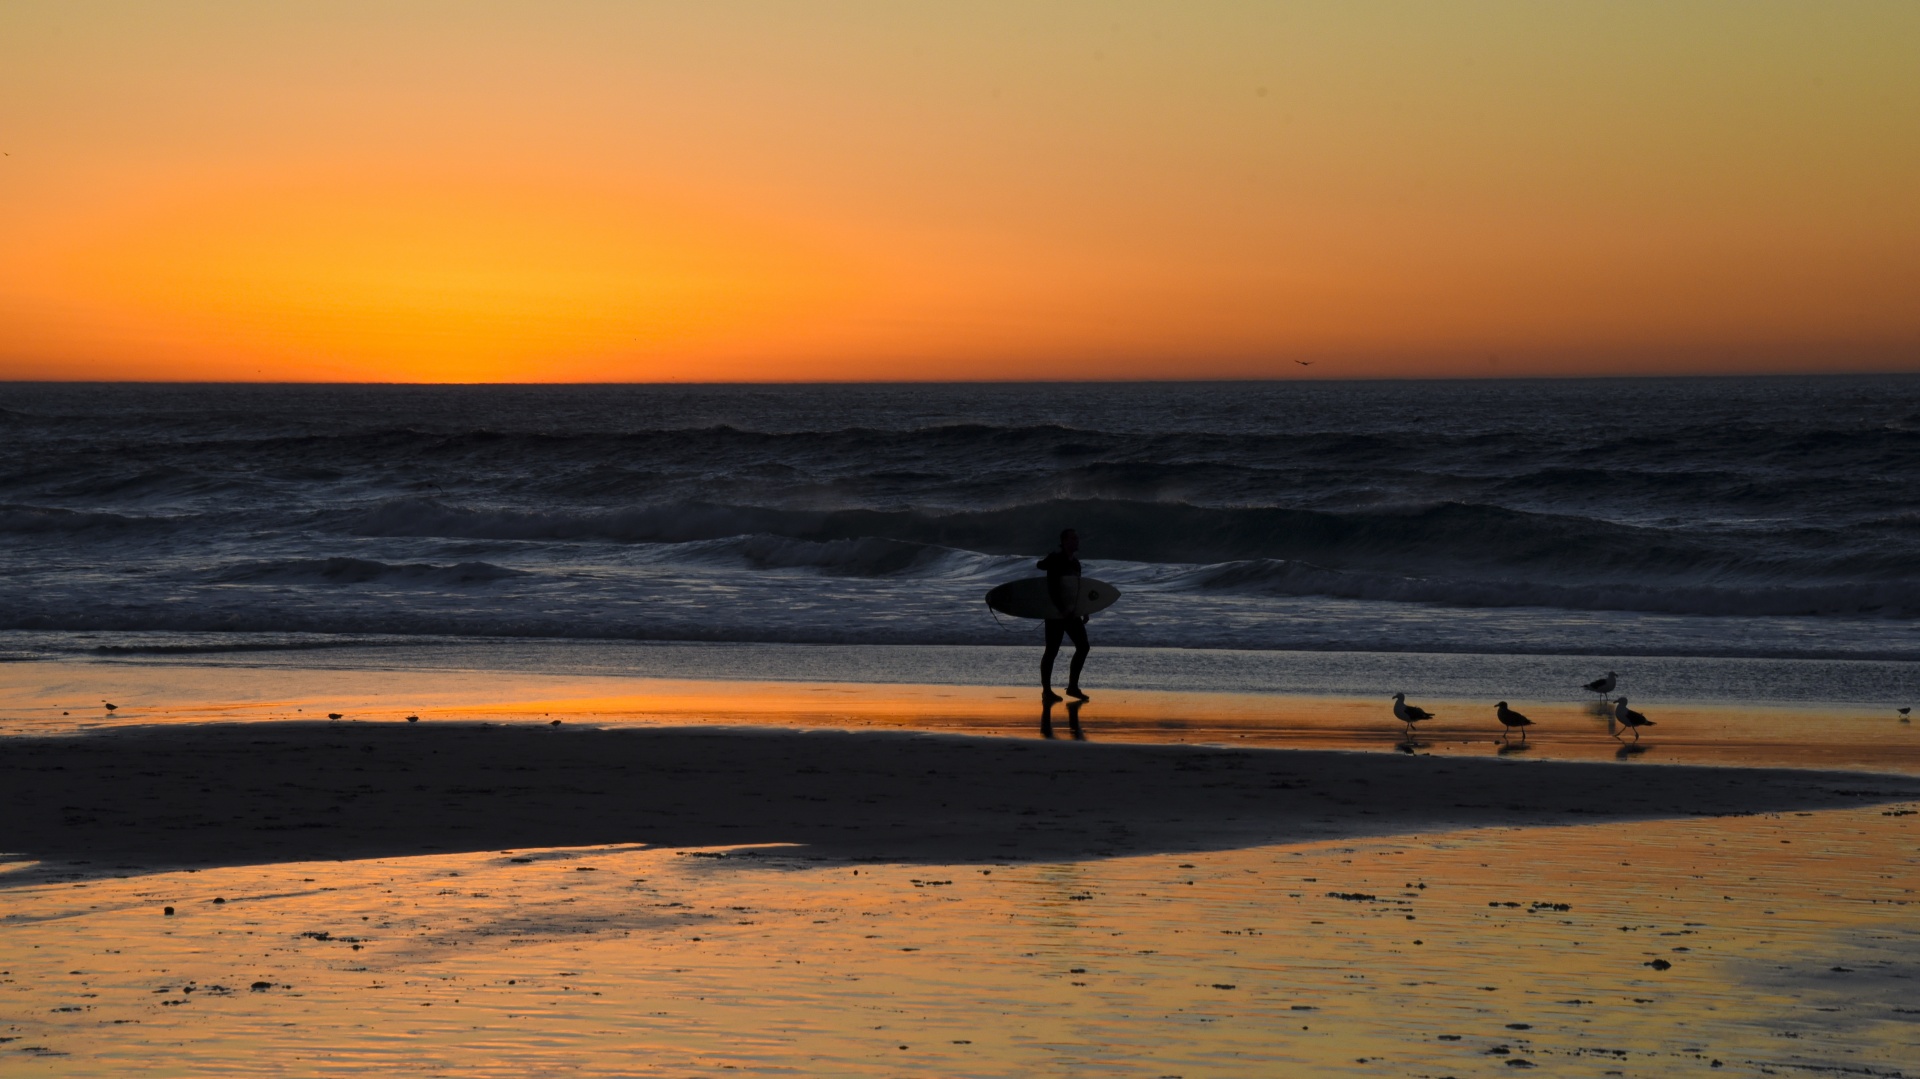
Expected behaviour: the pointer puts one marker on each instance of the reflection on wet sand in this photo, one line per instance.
(1073, 719)
(877, 880)
(1781, 943)
(1860, 737)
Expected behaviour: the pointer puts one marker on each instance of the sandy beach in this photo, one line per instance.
(188, 796)
(887, 880)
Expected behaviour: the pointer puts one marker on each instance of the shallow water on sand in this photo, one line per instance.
(64, 696)
(1771, 944)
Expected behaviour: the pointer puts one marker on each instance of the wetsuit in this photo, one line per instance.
(1059, 565)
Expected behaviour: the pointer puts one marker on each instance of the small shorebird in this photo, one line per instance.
(1629, 718)
(333, 715)
(1510, 719)
(110, 707)
(1604, 686)
(1408, 713)
(1903, 713)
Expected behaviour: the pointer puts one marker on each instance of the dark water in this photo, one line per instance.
(1760, 517)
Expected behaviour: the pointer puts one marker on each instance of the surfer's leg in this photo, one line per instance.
(1078, 631)
(1055, 629)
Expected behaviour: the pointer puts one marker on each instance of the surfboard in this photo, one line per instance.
(1028, 598)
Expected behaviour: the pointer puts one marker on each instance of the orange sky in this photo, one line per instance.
(633, 192)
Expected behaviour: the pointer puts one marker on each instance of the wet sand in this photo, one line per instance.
(1773, 944)
(66, 697)
(913, 880)
(138, 799)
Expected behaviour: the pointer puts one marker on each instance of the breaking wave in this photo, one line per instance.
(1259, 515)
(1898, 599)
(341, 571)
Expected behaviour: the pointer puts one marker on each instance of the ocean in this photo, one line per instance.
(1746, 518)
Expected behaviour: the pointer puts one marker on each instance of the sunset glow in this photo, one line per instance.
(616, 192)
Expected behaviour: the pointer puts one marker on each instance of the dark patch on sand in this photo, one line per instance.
(160, 798)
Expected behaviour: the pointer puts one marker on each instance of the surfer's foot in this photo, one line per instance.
(1077, 694)
(1048, 696)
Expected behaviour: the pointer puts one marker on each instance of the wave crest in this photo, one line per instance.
(1900, 599)
(364, 571)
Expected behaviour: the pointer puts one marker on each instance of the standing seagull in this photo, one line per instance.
(1629, 718)
(1604, 686)
(1408, 713)
(1510, 719)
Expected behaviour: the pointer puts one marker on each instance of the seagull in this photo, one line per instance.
(1304, 363)
(1604, 686)
(1629, 718)
(1510, 719)
(1408, 713)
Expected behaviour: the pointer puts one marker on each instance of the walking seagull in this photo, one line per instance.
(1408, 713)
(1510, 719)
(1629, 718)
(1604, 686)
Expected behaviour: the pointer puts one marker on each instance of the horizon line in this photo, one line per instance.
(1311, 379)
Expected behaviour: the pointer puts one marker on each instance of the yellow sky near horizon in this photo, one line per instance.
(600, 191)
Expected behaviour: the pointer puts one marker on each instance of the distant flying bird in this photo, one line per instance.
(1510, 719)
(1304, 363)
(1629, 718)
(1604, 686)
(110, 707)
(1408, 713)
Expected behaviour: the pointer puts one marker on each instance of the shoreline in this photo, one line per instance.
(1009, 660)
(1294, 703)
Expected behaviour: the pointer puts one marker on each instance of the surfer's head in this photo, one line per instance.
(1069, 540)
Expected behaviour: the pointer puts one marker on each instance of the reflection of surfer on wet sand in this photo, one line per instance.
(1073, 718)
(1063, 599)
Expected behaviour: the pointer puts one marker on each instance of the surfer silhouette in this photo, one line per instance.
(1063, 588)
